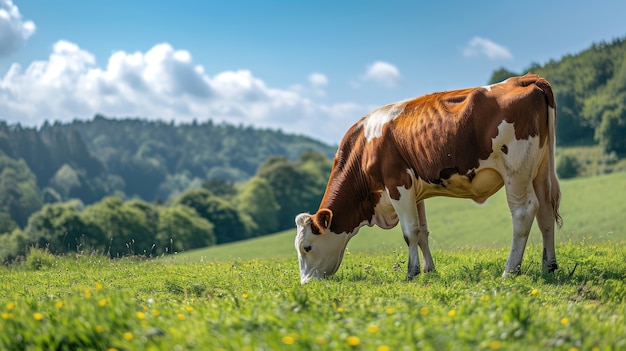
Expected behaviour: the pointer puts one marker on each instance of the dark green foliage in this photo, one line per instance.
(568, 166)
(257, 200)
(12, 245)
(297, 186)
(60, 228)
(229, 226)
(125, 226)
(181, 228)
(590, 89)
(7, 224)
(19, 194)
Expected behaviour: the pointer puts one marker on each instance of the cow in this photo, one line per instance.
(465, 143)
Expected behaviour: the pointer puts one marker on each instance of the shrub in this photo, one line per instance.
(568, 166)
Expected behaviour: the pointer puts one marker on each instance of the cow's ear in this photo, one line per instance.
(303, 219)
(323, 218)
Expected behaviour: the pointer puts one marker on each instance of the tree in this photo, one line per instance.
(60, 228)
(125, 227)
(229, 225)
(7, 224)
(19, 194)
(295, 190)
(611, 133)
(12, 245)
(568, 166)
(181, 228)
(257, 200)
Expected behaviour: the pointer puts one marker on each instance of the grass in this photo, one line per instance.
(247, 296)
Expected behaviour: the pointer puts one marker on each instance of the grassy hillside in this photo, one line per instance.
(593, 210)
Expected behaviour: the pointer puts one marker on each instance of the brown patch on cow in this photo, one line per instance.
(449, 132)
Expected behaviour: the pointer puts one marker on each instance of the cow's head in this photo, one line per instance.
(320, 251)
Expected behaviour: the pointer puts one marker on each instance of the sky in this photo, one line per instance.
(304, 67)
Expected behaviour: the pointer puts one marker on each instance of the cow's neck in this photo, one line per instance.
(351, 199)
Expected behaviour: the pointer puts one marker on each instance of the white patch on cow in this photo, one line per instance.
(518, 151)
(488, 87)
(374, 122)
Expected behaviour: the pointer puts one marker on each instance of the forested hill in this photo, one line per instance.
(590, 90)
(149, 159)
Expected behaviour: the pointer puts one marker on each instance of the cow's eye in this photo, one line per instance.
(307, 248)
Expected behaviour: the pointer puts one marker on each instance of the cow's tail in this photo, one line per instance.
(555, 189)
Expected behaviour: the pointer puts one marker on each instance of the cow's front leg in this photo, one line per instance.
(412, 240)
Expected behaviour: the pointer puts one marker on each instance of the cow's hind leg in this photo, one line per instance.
(523, 204)
(546, 221)
(422, 238)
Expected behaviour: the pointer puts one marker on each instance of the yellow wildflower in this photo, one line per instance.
(99, 329)
(140, 315)
(288, 340)
(99, 286)
(58, 304)
(534, 291)
(390, 310)
(373, 329)
(424, 311)
(452, 313)
(181, 317)
(38, 316)
(320, 340)
(102, 302)
(128, 336)
(383, 348)
(10, 305)
(494, 345)
(353, 341)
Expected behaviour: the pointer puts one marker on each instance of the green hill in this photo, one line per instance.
(593, 210)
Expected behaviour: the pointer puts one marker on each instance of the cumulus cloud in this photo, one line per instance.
(13, 29)
(484, 47)
(382, 73)
(318, 80)
(162, 83)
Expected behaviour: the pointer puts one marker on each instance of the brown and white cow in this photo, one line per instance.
(463, 143)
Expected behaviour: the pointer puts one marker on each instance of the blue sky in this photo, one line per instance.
(308, 67)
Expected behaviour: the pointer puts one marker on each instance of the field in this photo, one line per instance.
(247, 296)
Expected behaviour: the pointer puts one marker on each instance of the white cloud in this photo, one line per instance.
(162, 83)
(318, 80)
(383, 73)
(484, 47)
(13, 29)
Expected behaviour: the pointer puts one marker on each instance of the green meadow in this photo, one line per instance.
(247, 296)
